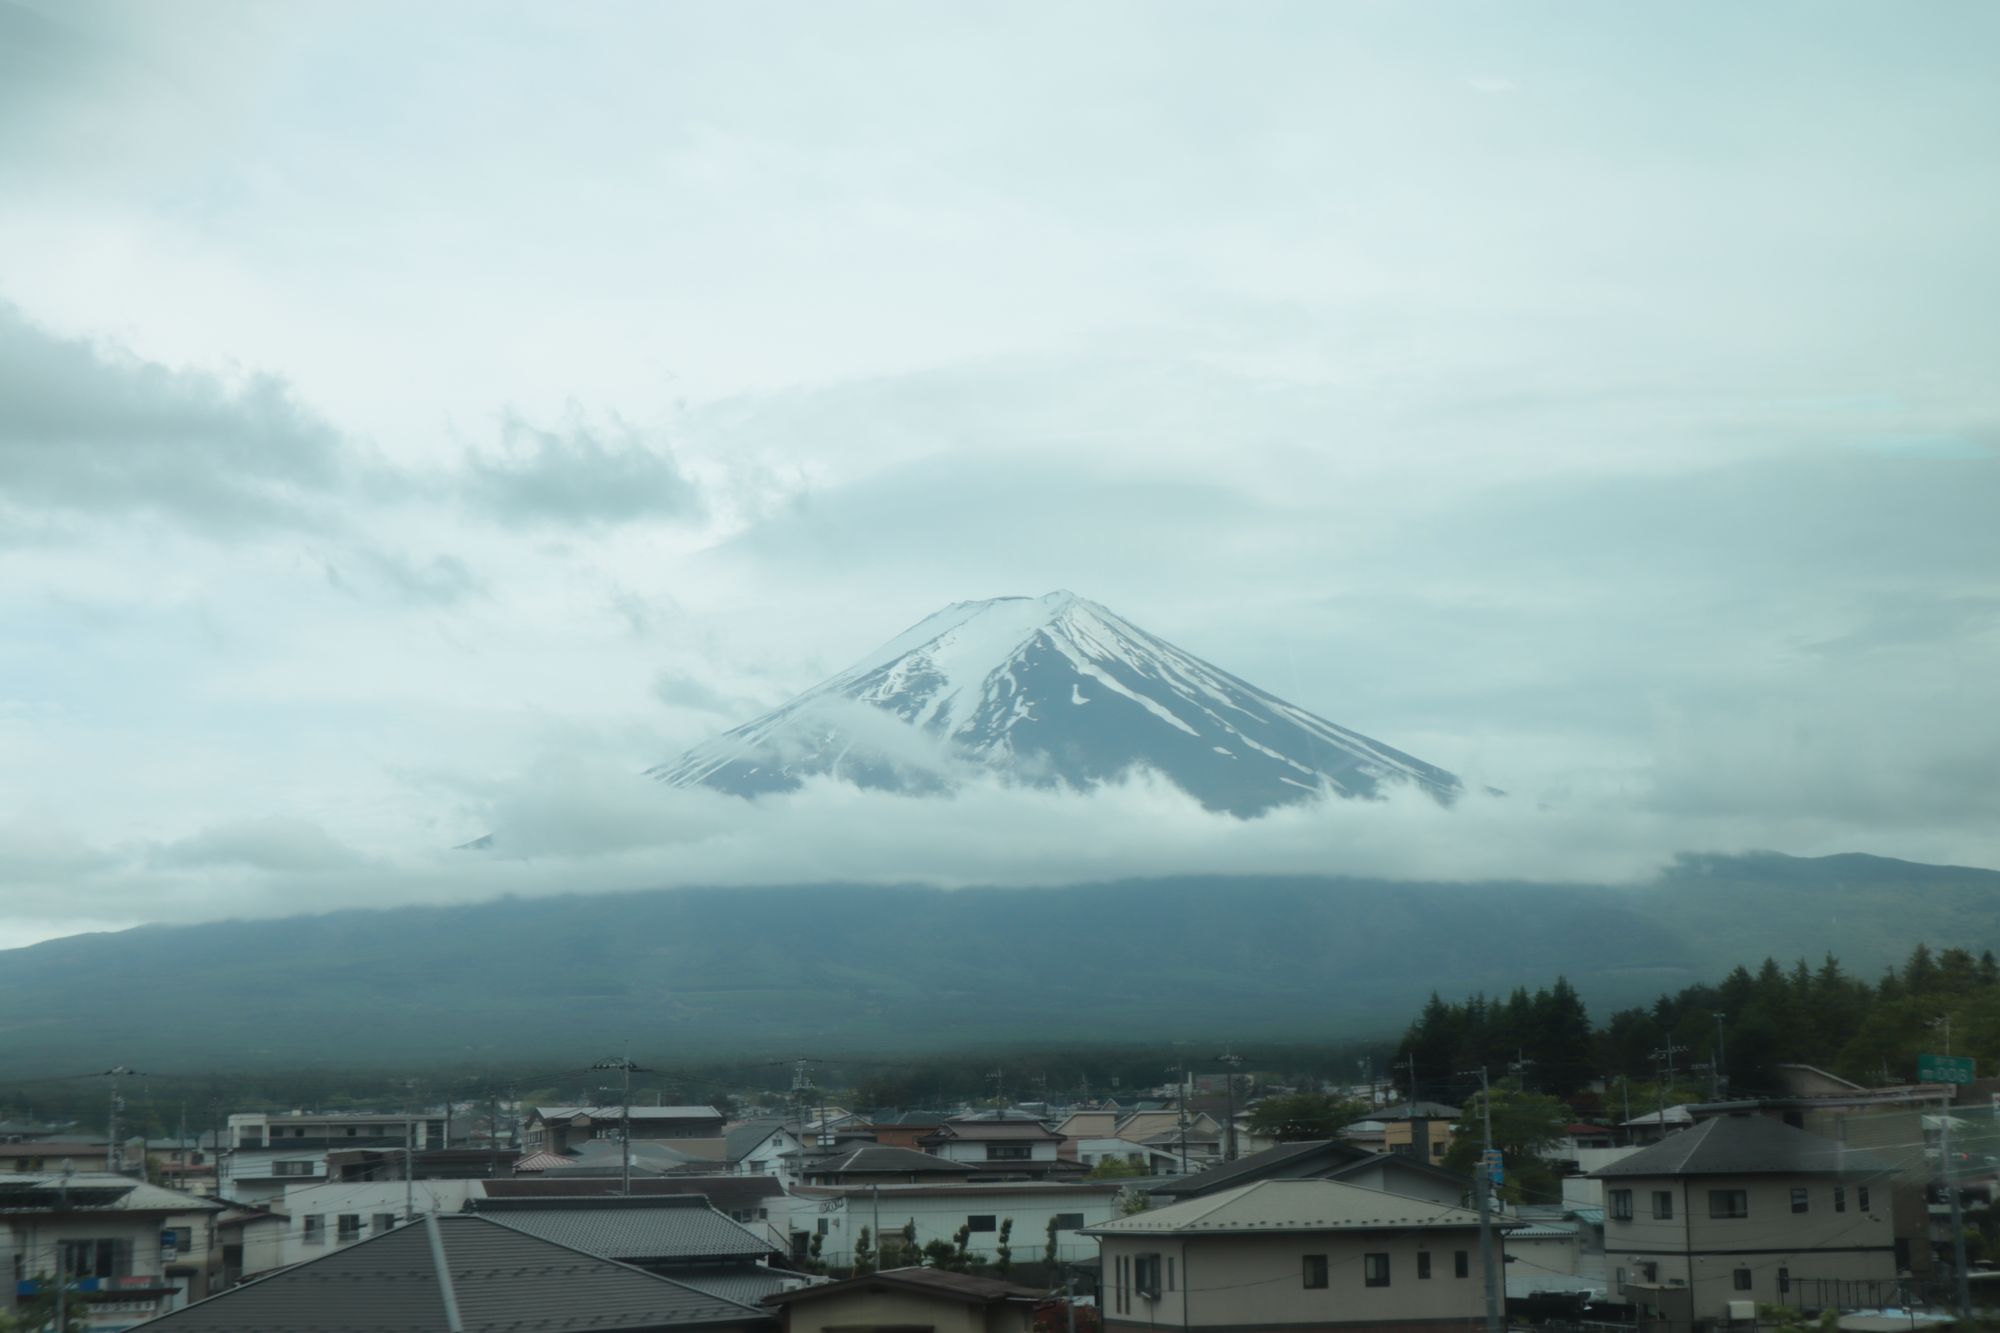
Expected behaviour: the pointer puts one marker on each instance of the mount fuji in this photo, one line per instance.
(1051, 691)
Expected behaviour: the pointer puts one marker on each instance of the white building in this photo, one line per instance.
(837, 1214)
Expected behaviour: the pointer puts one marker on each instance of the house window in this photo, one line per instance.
(1840, 1198)
(982, 1222)
(348, 1227)
(1663, 1204)
(383, 1222)
(95, 1258)
(756, 1167)
(1069, 1221)
(1861, 1197)
(1423, 1264)
(1461, 1263)
(1375, 1270)
(1009, 1152)
(1170, 1272)
(1743, 1279)
(1784, 1281)
(1621, 1205)
(314, 1229)
(1800, 1201)
(1146, 1275)
(1728, 1203)
(1315, 1271)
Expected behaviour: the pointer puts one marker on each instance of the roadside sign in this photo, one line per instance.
(1944, 1069)
(1494, 1169)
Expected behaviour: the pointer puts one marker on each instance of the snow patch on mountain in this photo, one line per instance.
(1052, 690)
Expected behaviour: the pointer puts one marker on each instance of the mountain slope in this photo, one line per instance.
(754, 973)
(1052, 690)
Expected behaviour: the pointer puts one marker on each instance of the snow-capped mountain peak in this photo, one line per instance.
(1050, 690)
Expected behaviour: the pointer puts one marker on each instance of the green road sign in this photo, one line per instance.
(1944, 1069)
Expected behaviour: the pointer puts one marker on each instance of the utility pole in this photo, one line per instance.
(114, 1156)
(1409, 1067)
(1484, 1178)
(1231, 1062)
(627, 1068)
(1957, 1221)
(410, 1152)
(1665, 1058)
(1721, 1063)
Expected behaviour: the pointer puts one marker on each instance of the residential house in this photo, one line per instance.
(1742, 1208)
(260, 1129)
(125, 1249)
(1003, 1147)
(904, 1129)
(876, 1165)
(468, 1274)
(836, 1213)
(321, 1215)
(758, 1202)
(1150, 1159)
(680, 1236)
(50, 1156)
(1308, 1255)
(561, 1128)
(761, 1147)
(1324, 1159)
(932, 1299)
(1418, 1129)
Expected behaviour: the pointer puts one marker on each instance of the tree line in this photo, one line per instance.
(1703, 1040)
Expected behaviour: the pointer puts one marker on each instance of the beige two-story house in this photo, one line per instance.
(1743, 1208)
(1293, 1254)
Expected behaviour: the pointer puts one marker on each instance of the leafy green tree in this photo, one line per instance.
(864, 1254)
(1525, 1125)
(1304, 1115)
(1113, 1168)
(1049, 1250)
(1003, 1249)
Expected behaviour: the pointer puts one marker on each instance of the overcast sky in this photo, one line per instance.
(419, 419)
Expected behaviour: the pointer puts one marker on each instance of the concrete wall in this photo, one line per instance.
(939, 1216)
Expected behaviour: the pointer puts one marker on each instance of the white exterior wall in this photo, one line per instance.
(246, 1175)
(939, 1216)
(768, 1158)
(362, 1199)
(959, 1150)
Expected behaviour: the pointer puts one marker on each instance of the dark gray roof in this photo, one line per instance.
(741, 1140)
(885, 1161)
(1287, 1160)
(963, 1287)
(668, 1226)
(1745, 1145)
(493, 1279)
(745, 1284)
(729, 1193)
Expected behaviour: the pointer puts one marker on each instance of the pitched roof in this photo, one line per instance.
(1283, 1161)
(639, 1113)
(458, 1272)
(741, 1139)
(94, 1191)
(1745, 1145)
(668, 1226)
(879, 1160)
(981, 1131)
(962, 1287)
(729, 1193)
(1291, 1206)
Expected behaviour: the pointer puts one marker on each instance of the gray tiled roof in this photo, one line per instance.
(1285, 1160)
(885, 1161)
(746, 1136)
(1745, 1145)
(746, 1284)
(668, 1226)
(729, 1193)
(499, 1280)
